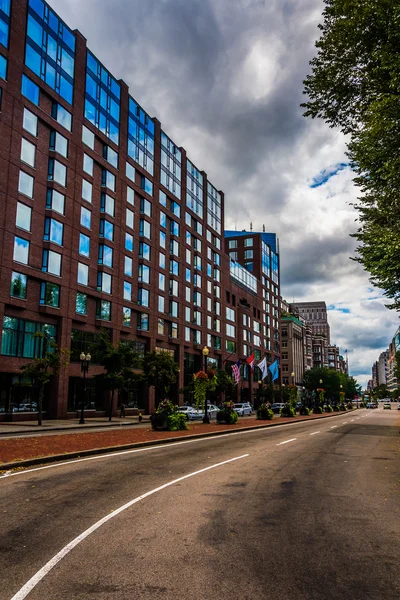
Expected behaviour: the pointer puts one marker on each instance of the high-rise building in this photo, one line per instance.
(107, 223)
(314, 314)
(382, 367)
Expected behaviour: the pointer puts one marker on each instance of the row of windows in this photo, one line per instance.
(102, 101)
(4, 22)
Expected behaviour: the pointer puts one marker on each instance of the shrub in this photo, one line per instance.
(227, 416)
(166, 407)
(328, 408)
(317, 410)
(264, 412)
(288, 411)
(349, 405)
(342, 406)
(176, 422)
(159, 421)
(304, 410)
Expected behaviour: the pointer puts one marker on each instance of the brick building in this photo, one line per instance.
(105, 222)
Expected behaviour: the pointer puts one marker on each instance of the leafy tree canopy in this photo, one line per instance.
(161, 371)
(354, 85)
(331, 382)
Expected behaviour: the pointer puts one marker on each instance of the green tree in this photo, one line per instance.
(118, 362)
(41, 370)
(354, 85)
(381, 392)
(226, 385)
(161, 371)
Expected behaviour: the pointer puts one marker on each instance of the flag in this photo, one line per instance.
(274, 370)
(236, 371)
(263, 367)
(250, 361)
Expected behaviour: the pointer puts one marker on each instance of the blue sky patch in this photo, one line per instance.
(338, 308)
(326, 174)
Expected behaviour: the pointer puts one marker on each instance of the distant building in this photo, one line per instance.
(314, 314)
(382, 367)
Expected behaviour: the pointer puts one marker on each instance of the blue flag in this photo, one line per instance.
(274, 370)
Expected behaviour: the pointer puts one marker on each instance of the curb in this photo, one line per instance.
(109, 449)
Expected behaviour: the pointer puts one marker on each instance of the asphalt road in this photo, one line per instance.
(306, 511)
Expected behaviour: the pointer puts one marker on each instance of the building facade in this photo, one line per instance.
(107, 224)
(315, 315)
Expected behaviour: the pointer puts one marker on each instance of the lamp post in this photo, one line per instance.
(206, 418)
(259, 392)
(85, 360)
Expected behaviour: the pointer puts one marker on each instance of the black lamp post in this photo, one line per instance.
(85, 360)
(206, 418)
(259, 392)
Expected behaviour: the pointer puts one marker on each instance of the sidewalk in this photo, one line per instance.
(39, 449)
(27, 427)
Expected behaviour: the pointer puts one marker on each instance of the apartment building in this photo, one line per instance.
(107, 223)
(315, 315)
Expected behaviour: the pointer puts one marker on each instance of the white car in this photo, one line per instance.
(211, 411)
(191, 413)
(243, 409)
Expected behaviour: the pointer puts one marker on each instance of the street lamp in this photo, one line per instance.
(206, 418)
(292, 374)
(259, 392)
(85, 360)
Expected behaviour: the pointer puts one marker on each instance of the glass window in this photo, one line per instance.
(25, 184)
(173, 267)
(144, 250)
(127, 291)
(248, 242)
(111, 156)
(50, 294)
(160, 327)
(128, 266)
(143, 321)
(104, 282)
(161, 281)
(53, 231)
(145, 229)
(108, 180)
(18, 337)
(30, 90)
(59, 143)
(130, 195)
(163, 219)
(143, 297)
(248, 253)
(24, 215)
(57, 172)
(161, 260)
(30, 122)
(147, 186)
(105, 255)
(83, 274)
(145, 209)
(161, 304)
(130, 172)
(106, 229)
(51, 262)
(3, 63)
(88, 164)
(129, 218)
(107, 204)
(18, 285)
(86, 216)
(21, 250)
(84, 245)
(144, 273)
(129, 242)
(126, 316)
(232, 244)
(87, 189)
(103, 310)
(81, 303)
(163, 239)
(62, 116)
(55, 201)
(88, 137)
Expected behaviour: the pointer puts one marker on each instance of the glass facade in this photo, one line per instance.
(194, 189)
(102, 100)
(214, 208)
(50, 49)
(4, 22)
(243, 277)
(140, 137)
(19, 339)
(170, 174)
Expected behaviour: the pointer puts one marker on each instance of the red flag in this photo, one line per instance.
(250, 361)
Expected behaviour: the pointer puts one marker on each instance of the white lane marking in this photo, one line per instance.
(287, 441)
(352, 420)
(150, 448)
(315, 433)
(33, 581)
(344, 422)
(333, 426)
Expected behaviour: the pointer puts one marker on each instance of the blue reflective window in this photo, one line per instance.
(30, 90)
(106, 229)
(84, 245)
(105, 255)
(144, 251)
(50, 48)
(3, 67)
(4, 22)
(140, 137)
(147, 186)
(102, 105)
(50, 294)
(3, 33)
(53, 231)
(129, 242)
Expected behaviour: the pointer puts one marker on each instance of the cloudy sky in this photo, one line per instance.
(225, 79)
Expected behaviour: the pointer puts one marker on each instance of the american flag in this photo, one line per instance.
(236, 371)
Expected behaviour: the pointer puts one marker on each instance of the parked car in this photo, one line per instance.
(211, 411)
(387, 405)
(370, 405)
(243, 408)
(276, 407)
(398, 406)
(191, 413)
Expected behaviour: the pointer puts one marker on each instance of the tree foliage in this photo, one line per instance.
(161, 371)
(41, 370)
(354, 85)
(331, 382)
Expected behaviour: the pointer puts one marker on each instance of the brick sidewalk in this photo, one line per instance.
(37, 447)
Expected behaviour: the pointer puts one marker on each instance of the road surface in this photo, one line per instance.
(300, 512)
